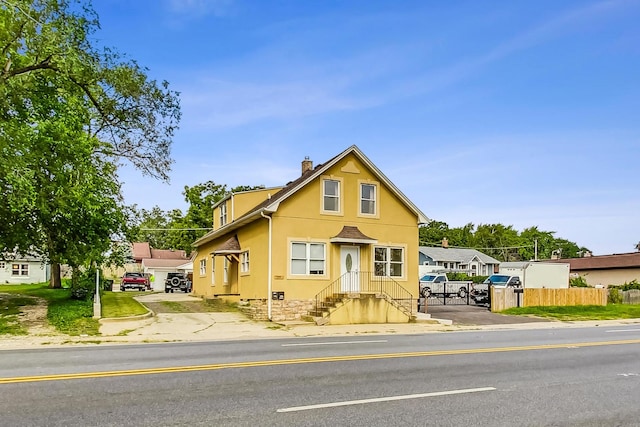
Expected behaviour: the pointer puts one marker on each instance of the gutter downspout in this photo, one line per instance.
(269, 284)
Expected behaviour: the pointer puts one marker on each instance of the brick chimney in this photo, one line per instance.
(445, 243)
(307, 165)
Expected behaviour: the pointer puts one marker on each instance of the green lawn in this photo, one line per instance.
(121, 304)
(67, 315)
(580, 312)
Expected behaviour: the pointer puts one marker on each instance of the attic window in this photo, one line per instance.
(223, 214)
(331, 195)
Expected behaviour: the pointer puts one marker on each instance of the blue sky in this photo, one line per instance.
(520, 113)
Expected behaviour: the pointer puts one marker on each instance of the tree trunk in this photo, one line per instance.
(55, 282)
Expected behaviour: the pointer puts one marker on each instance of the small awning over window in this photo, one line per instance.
(230, 247)
(351, 234)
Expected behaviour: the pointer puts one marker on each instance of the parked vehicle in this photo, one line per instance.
(137, 281)
(177, 282)
(439, 284)
(538, 274)
(481, 292)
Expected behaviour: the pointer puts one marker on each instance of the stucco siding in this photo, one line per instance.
(611, 276)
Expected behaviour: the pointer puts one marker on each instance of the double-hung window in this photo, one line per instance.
(213, 271)
(225, 272)
(389, 261)
(331, 195)
(223, 214)
(203, 267)
(244, 262)
(19, 269)
(308, 258)
(2, 265)
(368, 199)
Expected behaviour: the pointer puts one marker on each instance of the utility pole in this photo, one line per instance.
(535, 249)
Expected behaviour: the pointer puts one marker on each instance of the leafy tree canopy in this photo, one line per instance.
(70, 112)
(173, 229)
(499, 241)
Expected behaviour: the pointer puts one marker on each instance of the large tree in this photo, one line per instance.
(70, 112)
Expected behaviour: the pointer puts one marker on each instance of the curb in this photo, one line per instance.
(147, 315)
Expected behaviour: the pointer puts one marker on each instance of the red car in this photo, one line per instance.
(137, 281)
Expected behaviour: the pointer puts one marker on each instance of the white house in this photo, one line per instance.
(20, 269)
(470, 261)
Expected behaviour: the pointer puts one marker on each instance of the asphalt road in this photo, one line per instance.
(576, 376)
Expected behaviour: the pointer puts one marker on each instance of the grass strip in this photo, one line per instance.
(579, 312)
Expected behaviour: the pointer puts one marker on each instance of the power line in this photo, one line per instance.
(174, 229)
(435, 245)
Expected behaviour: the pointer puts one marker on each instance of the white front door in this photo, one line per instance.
(349, 268)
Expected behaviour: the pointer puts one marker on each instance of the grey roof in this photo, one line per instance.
(456, 255)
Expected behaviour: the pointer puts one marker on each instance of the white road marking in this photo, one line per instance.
(630, 374)
(384, 399)
(332, 343)
(624, 330)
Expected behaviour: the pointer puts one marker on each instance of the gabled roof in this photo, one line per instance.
(141, 250)
(272, 203)
(15, 256)
(462, 255)
(168, 254)
(627, 260)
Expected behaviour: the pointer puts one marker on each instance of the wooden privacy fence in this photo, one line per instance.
(504, 298)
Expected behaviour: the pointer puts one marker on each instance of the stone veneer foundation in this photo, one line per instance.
(281, 310)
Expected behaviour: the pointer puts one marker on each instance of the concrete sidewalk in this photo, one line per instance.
(216, 326)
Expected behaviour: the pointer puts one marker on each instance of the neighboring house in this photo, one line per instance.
(605, 270)
(18, 269)
(158, 262)
(469, 261)
(342, 223)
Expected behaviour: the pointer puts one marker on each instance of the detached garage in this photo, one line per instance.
(159, 268)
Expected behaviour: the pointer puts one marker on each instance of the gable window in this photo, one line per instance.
(368, 199)
(203, 267)
(244, 262)
(226, 271)
(331, 195)
(389, 261)
(223, 214)
(307, 258)
(19, 269)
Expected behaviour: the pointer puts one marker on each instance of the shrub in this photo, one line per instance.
(614, 296)
(83, 284)
(578, 282)
(631, 285)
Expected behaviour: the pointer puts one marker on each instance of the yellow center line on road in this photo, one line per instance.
(235, 365)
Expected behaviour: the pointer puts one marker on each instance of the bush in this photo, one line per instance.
(614, 296)
(83, 285)
(631, 285)
(578, 282)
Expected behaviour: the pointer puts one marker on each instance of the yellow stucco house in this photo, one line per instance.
(340, 243)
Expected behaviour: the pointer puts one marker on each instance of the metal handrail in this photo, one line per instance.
(363, 282)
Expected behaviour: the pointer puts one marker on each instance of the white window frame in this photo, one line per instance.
(373, 201)
(223, 213)
(225, 277)
(308, 259)
(19, 270)
(203, 267)
(244, 262)
(337, 197)
(387, 263)
(2, 265)
(213, 270)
